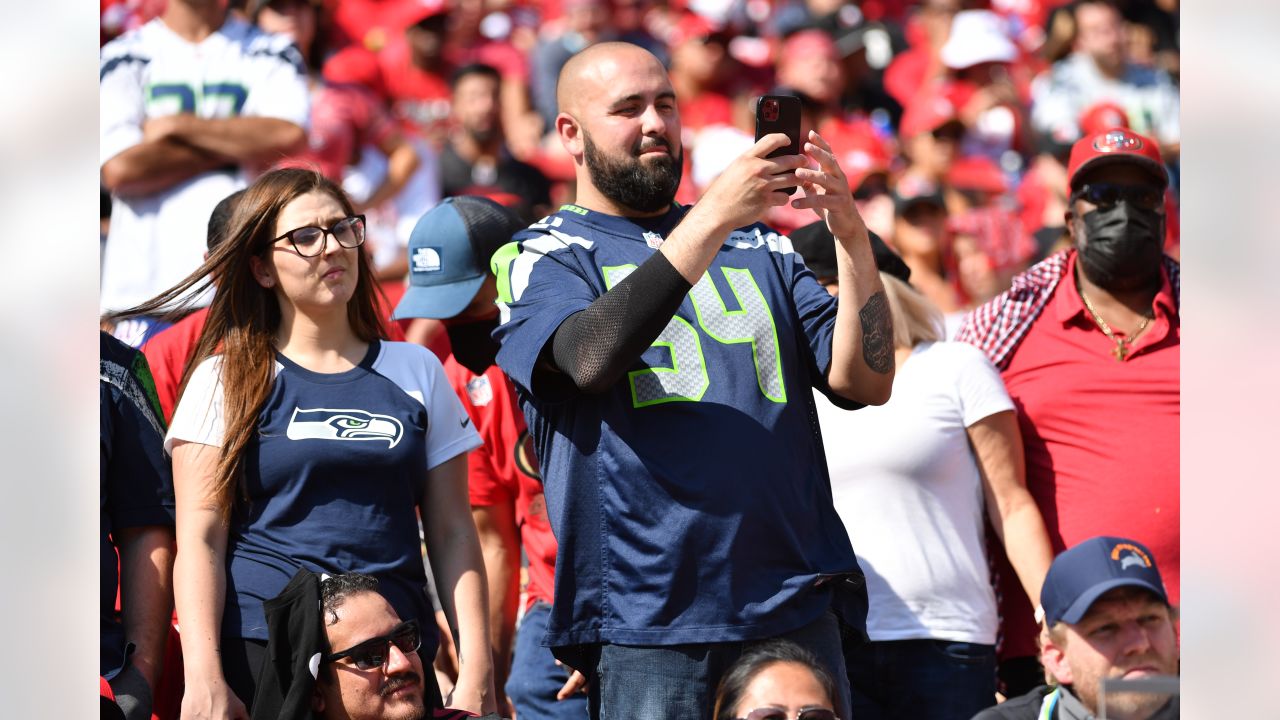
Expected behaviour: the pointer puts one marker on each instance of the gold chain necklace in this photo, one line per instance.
(1122, 344)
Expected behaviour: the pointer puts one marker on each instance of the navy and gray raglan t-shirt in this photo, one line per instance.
(334, 476)
(691, 501)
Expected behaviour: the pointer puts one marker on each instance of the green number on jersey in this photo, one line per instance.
(752, 324)
(687, 379)
(188, 98)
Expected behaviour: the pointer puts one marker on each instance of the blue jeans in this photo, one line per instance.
(679, 681)
(535, 677)
(921, 679)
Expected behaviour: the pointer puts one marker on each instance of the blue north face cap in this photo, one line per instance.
(1081, 575)
(445, 270)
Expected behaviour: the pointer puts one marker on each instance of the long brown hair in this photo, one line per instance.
(244, 316)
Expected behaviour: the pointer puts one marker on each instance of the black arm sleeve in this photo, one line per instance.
(596, 345)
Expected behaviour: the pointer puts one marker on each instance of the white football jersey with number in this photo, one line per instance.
(156, 240)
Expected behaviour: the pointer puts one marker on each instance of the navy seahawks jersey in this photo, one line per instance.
(691, 501)
(334, 476)
(135, 487)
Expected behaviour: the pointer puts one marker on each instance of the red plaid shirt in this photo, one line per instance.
(997, 327)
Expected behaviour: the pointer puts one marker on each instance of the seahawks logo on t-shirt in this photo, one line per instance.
(332, 424)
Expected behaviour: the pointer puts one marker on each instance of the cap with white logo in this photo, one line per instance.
(1115, 145)
(444, 270)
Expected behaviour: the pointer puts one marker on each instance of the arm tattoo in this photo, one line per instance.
(877, 333)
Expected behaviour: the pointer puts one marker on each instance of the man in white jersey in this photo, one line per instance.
(190, 103)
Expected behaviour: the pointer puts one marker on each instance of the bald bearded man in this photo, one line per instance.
(664, 357)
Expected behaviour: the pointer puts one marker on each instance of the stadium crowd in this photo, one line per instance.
(579, 415)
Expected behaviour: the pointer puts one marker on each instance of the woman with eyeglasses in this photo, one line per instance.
(304, 439)
(776, 680)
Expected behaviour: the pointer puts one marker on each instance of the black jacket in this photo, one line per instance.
(295, 644)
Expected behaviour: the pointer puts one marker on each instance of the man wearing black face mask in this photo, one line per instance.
(449, 252)
(1087, 342)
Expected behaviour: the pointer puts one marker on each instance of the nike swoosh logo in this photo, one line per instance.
(465, 421)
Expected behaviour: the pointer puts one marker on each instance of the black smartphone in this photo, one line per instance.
(780, 113)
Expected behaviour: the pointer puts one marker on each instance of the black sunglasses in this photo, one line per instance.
(373, 653)
(309, 241)
(1106, 195)
(779, 714)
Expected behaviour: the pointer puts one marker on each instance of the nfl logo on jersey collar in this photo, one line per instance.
(653, 239)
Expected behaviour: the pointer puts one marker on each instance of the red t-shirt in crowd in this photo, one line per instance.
(344, 118)
(1101, 438)
(370, 23)
(167, 353)
(906, 74)
(501, 55)
(1033, 197)
(999, 235)
(504, 469)
(705, 108)
(419, 97)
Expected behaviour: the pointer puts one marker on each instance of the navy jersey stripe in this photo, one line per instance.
(113, 63)
(289, 54)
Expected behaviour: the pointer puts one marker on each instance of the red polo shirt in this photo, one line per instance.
(1101, 437)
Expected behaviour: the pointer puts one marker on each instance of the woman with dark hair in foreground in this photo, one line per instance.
(776, 680)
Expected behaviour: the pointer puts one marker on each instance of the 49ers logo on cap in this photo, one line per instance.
(1117, 141)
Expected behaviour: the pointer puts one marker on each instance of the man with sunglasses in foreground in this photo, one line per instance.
(374, 670)
(1087, 342)
(337, 650)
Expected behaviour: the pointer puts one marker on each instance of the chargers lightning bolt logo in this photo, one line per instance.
(333, 424)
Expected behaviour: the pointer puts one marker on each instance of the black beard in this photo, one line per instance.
(646, 187)
(482, 137)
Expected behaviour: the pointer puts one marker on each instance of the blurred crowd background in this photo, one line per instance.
(952, 118)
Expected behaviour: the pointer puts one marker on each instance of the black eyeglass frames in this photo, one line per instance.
(309, 240)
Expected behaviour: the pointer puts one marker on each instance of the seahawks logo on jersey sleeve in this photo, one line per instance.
(332, 424)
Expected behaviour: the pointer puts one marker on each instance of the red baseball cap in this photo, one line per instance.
(415, 11)
(860, 155)
(976, 172)
(1115, 145)
(926, 114)
(354, 65)
(691, 26)
(1102, 116)
(808, 42)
